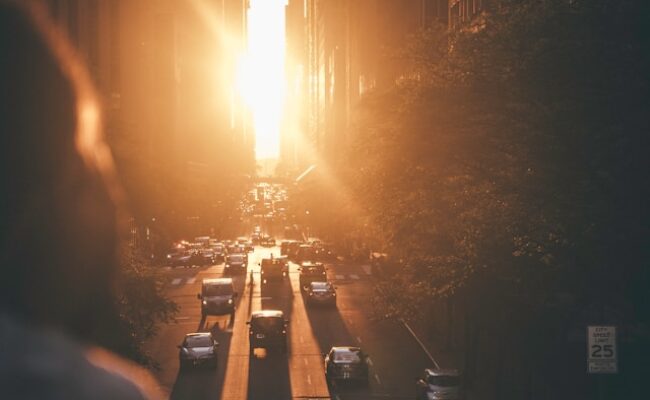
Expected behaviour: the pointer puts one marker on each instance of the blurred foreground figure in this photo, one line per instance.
(59, 207)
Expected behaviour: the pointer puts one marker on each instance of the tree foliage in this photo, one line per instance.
(508, 169)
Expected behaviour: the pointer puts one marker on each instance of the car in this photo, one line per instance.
(180, 258)
(198, 349)
(305, 252)
(267, 241)
(321, 293)
(439, 384)
(209, 256)
(236, 264)
(267, 329)
(246, 244)
(346, 363)
(285, 247)
(217, 297)
(311, 272)
(273, 269)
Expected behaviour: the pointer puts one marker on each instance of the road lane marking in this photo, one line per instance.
(181, 318)
(340, 277)
(176, 281)
(369, 361)
(191, 281)
(302, 339)
(306, 361)
(309, 379)
(366, 269)
(354, 276)
(377, 379)
(358, 339)
(167, 268)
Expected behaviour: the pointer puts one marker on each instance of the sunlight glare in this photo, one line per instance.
(261, 75)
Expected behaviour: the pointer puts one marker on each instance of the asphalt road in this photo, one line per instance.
(395, 357)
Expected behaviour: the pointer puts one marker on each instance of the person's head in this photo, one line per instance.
(58, 211)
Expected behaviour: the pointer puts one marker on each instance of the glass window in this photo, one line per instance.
(217, 290)
(198, 341)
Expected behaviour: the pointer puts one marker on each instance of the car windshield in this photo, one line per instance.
(444, 380)
(236, 258)
(198, 341)
(351, 356)
(268, 324)
(217, 290)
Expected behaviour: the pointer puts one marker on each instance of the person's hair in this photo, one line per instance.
(58, 192)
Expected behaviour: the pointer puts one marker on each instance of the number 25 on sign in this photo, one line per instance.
(601, 350)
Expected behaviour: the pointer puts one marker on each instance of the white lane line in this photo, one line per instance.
(354, 276)
(306, 361)
(377, 379)
(336, 397)
(167, 268)
(181, 318)
(191, 281)
(366, 269)
(369, 361)
(176, 281)
(358, 339)
(302, 339)
(309, 379)
(339, 277)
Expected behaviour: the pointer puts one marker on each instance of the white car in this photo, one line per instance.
(439, 384)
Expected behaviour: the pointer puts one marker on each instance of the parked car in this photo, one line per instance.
(346, 363)
(236, 264)
(439, 384)
(198, 349)
(267, 329)
(311, 272)
(321, 293)
(217, 297)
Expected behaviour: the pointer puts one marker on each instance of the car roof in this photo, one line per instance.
(217, 281)
(311, 264)
(199, 334)
(320, 284)
(345, 349)
(442, 372)
(267, 313)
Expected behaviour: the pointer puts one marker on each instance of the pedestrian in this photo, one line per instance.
(59, 209)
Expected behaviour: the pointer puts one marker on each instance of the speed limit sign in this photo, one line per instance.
(601, 350)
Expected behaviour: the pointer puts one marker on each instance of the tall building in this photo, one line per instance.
(166, 70)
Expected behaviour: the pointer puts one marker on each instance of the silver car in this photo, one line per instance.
(439, 384)
(323, 293)
(198, 349)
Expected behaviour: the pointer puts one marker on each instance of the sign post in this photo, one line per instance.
(602, 354)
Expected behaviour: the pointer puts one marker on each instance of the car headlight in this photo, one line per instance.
(229, 301)
(205, 303)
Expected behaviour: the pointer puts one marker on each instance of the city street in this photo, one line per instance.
(395, 357)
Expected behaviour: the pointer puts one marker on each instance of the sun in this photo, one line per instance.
(261, 75)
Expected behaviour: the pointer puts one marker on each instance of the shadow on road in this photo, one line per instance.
(268, 375)
(205, 383)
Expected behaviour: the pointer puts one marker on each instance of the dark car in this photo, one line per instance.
(267, 329)
(305, 252)
(209, 256)
(285, 245)
(346, 364)
(274, 269)
(217, 297)
(236, 264)
(311, 272)
(267, 241)
(439, 384)
(198, 349)
(180, 258)
(321, 293)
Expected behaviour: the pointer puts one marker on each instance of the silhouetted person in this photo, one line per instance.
(59, 223)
